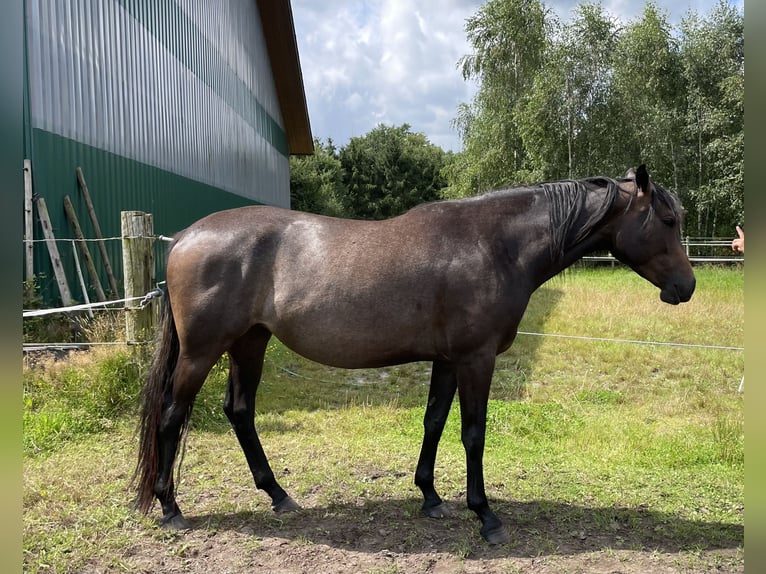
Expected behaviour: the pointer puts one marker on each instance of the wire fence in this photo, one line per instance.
(699, 250)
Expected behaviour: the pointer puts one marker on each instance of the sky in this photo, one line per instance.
(367, 62)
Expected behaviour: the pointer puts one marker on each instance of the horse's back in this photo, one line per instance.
(343, 292)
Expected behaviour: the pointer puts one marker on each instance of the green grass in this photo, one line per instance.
(85, 394)
(636, 445)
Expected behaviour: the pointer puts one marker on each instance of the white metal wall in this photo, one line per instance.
(184, 86)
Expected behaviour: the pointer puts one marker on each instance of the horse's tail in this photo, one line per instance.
(158, 384)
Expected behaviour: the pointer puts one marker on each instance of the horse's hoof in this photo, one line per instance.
(174, 521)
(287, 504)
(496, 536)
(438, 511)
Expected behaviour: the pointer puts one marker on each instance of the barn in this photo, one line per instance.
(176, 108)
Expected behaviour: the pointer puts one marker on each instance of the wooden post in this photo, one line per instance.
(138, 267)
(72, 216)
(29, 223)
(50, 240)
(83, 286)
(99, 236)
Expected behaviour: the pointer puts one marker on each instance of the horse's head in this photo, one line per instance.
(647, 237)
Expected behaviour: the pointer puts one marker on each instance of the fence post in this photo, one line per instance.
(29, 247)
(138, 271)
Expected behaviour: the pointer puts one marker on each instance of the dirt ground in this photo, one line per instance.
(391, 537)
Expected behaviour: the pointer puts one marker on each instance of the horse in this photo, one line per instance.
(445, 282)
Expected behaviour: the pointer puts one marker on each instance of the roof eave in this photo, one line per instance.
(279, 32)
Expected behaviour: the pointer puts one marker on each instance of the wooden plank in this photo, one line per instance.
(83, 286)
(29, 223)
(50, 241)
(83, 247)
(97, 228)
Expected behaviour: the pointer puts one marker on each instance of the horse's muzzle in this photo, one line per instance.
(678, 292)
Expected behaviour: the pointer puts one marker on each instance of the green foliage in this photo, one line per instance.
(509, 39)
(390, 170)
(105, 325)
(599, 397)
(46, 328)
(565, 114)
(586, 97)
(316, 181)
(379, 175)
(85, 393)
(729, 439)
(649, 94)
(712, 57)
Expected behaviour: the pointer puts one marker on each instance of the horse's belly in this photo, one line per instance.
(356, 344)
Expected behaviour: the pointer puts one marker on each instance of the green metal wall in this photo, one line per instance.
(115, 184)
(168, 106)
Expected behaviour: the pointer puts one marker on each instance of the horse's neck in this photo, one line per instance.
(532, 238)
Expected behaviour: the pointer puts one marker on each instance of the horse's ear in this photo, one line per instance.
(642, 181)
(630, 174)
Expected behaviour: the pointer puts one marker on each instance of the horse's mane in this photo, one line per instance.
(567, 201)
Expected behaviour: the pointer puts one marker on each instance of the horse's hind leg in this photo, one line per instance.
(188, 377)
(246, 365)
(440, 396)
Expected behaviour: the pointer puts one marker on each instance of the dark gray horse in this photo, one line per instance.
(446, 282)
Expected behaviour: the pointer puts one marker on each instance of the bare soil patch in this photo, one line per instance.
(389, 536)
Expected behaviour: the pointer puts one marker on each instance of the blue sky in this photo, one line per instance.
(367, 62)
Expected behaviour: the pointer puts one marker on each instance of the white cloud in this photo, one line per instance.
(354, 101)
(367, 62)
(384, 61)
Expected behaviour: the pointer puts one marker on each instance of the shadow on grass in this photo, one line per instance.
(536, 528)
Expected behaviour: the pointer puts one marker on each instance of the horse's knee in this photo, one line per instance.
(229, 411)
(432, 424)
(473, 442)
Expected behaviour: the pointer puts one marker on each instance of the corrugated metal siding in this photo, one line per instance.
(111, 179)
(169, 108)
(186, 88)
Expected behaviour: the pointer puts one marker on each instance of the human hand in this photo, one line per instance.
(738, 244)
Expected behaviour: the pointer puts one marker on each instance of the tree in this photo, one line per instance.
(390, 170)
(316, 181)
(588, 98)
(649, 88)
(567, 121)
(713, 67)
(508, 39)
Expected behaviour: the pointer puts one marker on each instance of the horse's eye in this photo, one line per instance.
(669, 221)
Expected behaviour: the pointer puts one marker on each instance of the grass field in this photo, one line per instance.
(599, 452)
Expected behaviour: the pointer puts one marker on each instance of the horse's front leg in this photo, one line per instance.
(473, 379)
(440, 395)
